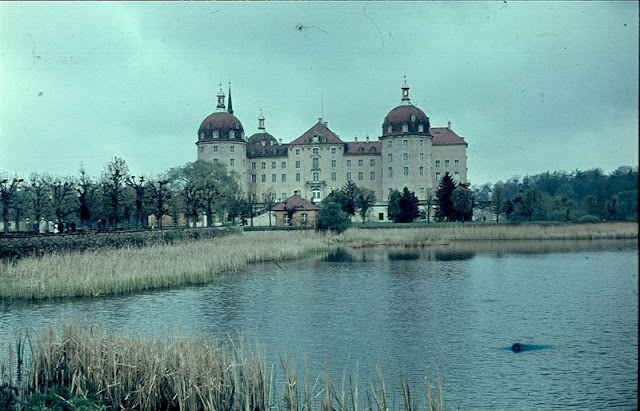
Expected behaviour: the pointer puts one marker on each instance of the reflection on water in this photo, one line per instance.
(417, 311)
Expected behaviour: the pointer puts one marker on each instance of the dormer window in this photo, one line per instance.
(390, 129)
(420, 128)
(405, 128)
(214, 134)
(208, 125)
(413, 117)
(232, 134)
(360, 149)
(372, 149)
(315, 139)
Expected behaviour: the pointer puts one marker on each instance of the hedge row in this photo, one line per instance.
(35, 246)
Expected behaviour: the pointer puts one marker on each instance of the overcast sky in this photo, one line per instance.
(531, 86)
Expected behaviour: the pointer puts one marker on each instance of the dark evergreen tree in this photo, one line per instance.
(445, 202)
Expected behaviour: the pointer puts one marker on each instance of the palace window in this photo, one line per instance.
(420, 128)
(273, 178)
(315, 162)
(273, 164)
(389, 158)
(284, 178)
(349, 176)
(232, 149)
(316, 176)
(253, 165)
(372, 176)
(334, 177)
(405, 156)
(421, 170)
(360, 163)
(405, 171)
(360, 176)
(297, 151)
(232, 162)
(405, 128)
(437, 175)
(298, 177)
(263, 178)
(413, 117)
(390, 129)
(421, 156)
(232, 134)
(215, 149)
(283, 165)
(390, 172)
(333, 163)
(437, 163)
(348, 163)
(253, 178)
(405, 143)
(456, 163)
(372, 162)
(297, 163)
(214, 134)
(333, 150)
(456, 175)
(389, 143)
(446, 163)
(315, 151)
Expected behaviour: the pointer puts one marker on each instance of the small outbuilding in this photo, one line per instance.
(295, 211)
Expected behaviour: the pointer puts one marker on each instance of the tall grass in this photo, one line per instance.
(118, 371)
(454, 232)
(132, 269)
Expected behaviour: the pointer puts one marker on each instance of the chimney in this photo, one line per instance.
(367, 138)
(355, 139)
(449, 125)
(280, 141)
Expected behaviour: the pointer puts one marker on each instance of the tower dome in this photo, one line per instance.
(221, 124)
(405, 118)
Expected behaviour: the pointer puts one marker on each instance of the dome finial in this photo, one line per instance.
(405, 91)
(261, 121)
(220, 96)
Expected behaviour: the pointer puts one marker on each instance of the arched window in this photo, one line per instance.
(390, 129)
(413, 117)
(405, 128)
(420, 128)
(316, 176)
(316, 162)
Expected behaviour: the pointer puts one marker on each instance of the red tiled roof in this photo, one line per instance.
(295, 201)
(321, 130)
(443, 136)
(363, 148)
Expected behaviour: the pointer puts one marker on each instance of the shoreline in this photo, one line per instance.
(128, 270)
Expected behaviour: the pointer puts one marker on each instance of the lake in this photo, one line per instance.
(451, 310)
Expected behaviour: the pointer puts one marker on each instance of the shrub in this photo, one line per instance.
(588, 219)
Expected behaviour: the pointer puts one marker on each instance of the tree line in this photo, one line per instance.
(561, 196)
(118, 200)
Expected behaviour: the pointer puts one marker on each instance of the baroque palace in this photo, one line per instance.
(409, 153)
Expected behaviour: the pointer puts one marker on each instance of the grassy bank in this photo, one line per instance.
(131, 269)
(90, 368)
(458, 232)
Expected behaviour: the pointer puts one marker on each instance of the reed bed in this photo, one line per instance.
(132, 269)
(117, 371)
(444, 234)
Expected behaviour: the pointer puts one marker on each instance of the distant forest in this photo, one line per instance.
(564, 196)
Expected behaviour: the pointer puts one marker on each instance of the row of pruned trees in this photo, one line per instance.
(118, 199)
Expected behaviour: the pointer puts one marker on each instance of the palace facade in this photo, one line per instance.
(408, 153)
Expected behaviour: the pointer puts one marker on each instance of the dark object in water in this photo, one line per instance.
(518, 347)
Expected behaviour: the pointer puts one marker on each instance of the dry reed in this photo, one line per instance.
(128, 270)
(447, 233)
(121, 371)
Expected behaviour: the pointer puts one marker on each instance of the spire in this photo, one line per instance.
(405, 92)
(230, 109)
(220, 96)
(261, 121)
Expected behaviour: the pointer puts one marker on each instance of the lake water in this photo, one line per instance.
(450, 310)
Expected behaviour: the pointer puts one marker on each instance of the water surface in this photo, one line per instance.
(418, 312)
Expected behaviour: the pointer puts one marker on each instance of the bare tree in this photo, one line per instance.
(8, 195)
(113, 182)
